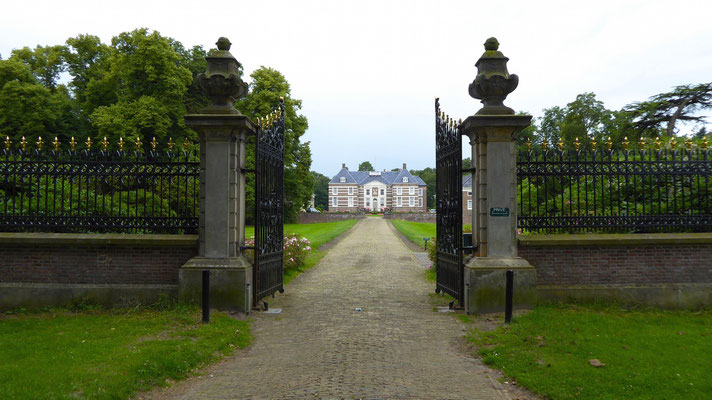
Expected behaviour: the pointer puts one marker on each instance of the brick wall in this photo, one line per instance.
(313, 218)
(415, 217)
(86, 259)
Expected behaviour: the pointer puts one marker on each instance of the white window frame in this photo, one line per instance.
(351, 201)
(335, 201)
(383, 191)
(383, 201)
(398, 200)
(411, 190)
(399, 191)
(469, 204)
(420, 191)
(368, 192)
(411, 201)
(405, 179)
(368, 202)
(342, 179)
(420, 201)
(351, 190)
(334, 190)
(469, 194)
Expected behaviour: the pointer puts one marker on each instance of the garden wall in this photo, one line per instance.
(668, 270)
(313, 218)
(414, 217)
(38, 269)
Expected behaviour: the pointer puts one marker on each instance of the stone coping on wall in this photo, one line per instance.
(599, 239)
(100, 239)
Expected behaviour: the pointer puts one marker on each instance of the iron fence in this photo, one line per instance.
(98, 190)
(644, 190)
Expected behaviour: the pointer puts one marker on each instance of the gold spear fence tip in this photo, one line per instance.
(55, 144)
(626, 143)
(121, 144)
(39, 143)
(577, 144)
(560, 144)
(673, 143)
(529, 144)
(170, 144)
(72, 144)
(8, 142)
(704, 144)
(544, 145)
(88, 143)
(609, 143)
(593, 144)
(154, 144)
(657, 143)
(186, 144)
(642, 143)
(688, 144)
(104, 144)
(139, 145)
(23, 143)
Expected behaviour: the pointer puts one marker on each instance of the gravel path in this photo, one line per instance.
(321, 346)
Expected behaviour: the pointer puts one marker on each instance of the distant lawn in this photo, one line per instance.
(108, 354)
(318, 235)
(647, 354)
(415, 231)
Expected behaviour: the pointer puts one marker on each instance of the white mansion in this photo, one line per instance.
(375, 190)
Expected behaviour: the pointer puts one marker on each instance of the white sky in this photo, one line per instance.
(368, 71)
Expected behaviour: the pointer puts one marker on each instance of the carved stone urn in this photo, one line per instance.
(221, 80)
(493, 83)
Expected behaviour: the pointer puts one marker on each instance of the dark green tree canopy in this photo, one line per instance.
(365, 166)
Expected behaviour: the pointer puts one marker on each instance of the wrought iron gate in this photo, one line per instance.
(269, 206)
(448, 172)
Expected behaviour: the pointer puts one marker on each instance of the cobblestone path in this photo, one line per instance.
(320, 347)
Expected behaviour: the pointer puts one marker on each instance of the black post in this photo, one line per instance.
(508, 297)
(206, 296)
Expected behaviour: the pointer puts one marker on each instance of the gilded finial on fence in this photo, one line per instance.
(577, 145)
(544, 145)
(23, 144)
(642, 143)
(55, 144)
(560, 145)
(673, 143)
(529, 144)
(8, 143)
(688, 144)
(88, 143)
(459, 122)
(593, 144)
(609, 143)
(39, 143)
(657, 143)
(72, 144)
(104, 144)
(121, 144)
(154, 144)
(704, 144)
(186, 145)
(626, 143)
(139, 145)
(170, 144)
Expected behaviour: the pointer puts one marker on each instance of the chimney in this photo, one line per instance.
(404, 166)
(343, 166)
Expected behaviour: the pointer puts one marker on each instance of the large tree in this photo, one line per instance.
(321, 190)
(266, 88)
(365, 166)
(664, 110)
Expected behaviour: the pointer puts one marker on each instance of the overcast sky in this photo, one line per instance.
(368, 71)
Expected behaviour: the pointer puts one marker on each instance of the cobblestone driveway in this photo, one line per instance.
(320, 347)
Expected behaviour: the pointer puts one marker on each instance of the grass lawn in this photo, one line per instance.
(415, 231)
(648, 354)
(318, 235)
(108, 354)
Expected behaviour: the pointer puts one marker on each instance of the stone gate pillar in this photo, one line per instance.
(492, 132)
(223, 132)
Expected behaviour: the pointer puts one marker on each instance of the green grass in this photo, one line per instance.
(318, 235)
(108, 354)
(648, 354)
(415, 231)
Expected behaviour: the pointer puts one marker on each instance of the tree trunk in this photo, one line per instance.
(673, 119)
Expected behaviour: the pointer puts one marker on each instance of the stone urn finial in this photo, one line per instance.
(221, 80)
(493, 83)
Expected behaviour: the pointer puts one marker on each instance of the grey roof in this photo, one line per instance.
(467, 181)
(385, 177)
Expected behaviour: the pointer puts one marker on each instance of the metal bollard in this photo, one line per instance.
(206, 296)
(508, 297)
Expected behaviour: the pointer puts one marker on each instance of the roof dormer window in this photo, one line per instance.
(342, 179)
(405, 179)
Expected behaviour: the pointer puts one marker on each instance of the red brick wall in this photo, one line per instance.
(92, 264)
(620, 264)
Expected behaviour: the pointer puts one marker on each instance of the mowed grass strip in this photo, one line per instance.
(318, 235)
(648, 354)
(108, 354)
(415, 231)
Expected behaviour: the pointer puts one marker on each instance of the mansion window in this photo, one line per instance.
(411, 190)
(351, 190)
(368, 192)
(383, 191)
(334, 190)
(420, 192)
(420, 201)
(399, 201)
(334, 201)
(342, 179)
(469, 204)
(351, 201)
(368, 203)
(412, 201)
(382, 201)
(469, 194)
(399, 191)
(405, 179)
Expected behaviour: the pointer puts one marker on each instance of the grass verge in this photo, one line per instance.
(647, 353)
(109, 353)
(415, 231)
(318, 235)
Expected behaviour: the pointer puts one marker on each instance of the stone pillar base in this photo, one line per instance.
(230, 282)
(485, 284)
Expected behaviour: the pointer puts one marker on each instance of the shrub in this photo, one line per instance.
(295, 251)
(432, 250)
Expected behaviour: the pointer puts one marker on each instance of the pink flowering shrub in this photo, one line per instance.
(295, 251)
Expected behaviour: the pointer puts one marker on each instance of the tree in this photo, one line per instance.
(428, 176)
(321, 190)
(664, 110)
(266, 88)
(365, 166)
(45, 62)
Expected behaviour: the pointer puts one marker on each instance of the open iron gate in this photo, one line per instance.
(448, 173)
(269, 206)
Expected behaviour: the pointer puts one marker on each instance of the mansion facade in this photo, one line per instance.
(375, 190)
